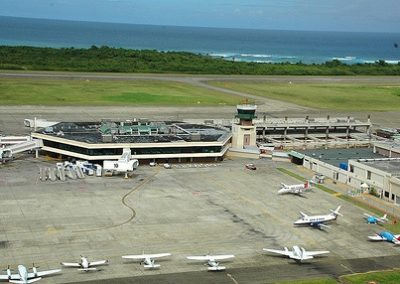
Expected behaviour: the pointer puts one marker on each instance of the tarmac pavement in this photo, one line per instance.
(223, 209)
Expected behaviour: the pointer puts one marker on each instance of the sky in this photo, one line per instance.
(320, 15)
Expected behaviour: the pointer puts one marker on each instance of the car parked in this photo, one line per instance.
(251, 167)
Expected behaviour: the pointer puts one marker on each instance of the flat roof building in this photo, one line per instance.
(148, 140)
(357, 167)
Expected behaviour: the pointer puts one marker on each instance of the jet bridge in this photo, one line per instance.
(8, 151)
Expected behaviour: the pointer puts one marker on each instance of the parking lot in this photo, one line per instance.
(186, 210)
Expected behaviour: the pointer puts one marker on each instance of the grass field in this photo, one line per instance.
(105, 93)
(346, 97)
(380, 277)
(311, 281)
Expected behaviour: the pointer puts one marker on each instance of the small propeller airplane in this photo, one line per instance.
(147, 259)
(212, 263)
(375, 220)
(84, 264)
(24, 276)
(295, 188)
(386, 236)
(297, 253)
(317, 221)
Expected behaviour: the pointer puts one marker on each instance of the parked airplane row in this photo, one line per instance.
(299, 254)
(318, 221)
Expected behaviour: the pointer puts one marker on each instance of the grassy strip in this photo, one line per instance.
(346, 97)
(388, 226)
(386, 277)
(326, 280)
(17, 91)
(379, 277)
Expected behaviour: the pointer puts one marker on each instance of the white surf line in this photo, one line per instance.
(231, 277)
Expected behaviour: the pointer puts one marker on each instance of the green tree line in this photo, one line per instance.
(108, 59)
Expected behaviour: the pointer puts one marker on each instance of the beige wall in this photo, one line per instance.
(238, 133)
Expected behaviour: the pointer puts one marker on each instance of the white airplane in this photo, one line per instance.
(212, 263)
(295, 188)
(374, 219)
(297, 253)
(147, 259)
(318, 221)
(84, 264)
(24, 277)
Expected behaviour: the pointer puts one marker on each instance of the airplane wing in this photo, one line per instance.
(312, 253)
(210, 257)
(43, 273)
(376, 238)
(144, 256)
(71, 264)
(139, 256)
(283, 252)
(13, 276)
(100, 262)
(366, 215)
(320, 225)
(305, 257)
(219, 257)
(25, 282)
(200, 257)
(284, 190)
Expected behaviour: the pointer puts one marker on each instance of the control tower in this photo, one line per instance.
(244, 131)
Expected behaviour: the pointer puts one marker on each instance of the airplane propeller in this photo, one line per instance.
(34, 268)
(8, 270)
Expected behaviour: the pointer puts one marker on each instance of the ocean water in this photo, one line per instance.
(230, 44)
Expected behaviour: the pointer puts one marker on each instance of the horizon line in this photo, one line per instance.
(200, 27)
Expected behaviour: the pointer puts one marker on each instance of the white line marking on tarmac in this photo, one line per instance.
(345, 267)
(231, 277)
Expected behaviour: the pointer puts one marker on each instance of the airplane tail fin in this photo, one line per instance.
(336, 212)
(384, 218)
(303, 214)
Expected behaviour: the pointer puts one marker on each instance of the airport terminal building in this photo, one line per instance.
(160, 141)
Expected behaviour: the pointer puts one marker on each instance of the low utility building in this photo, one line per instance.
(361, 168)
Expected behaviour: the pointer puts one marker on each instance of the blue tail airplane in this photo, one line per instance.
(386, 236)
(375, 220)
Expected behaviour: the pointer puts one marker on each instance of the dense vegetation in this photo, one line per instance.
(107, 59)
